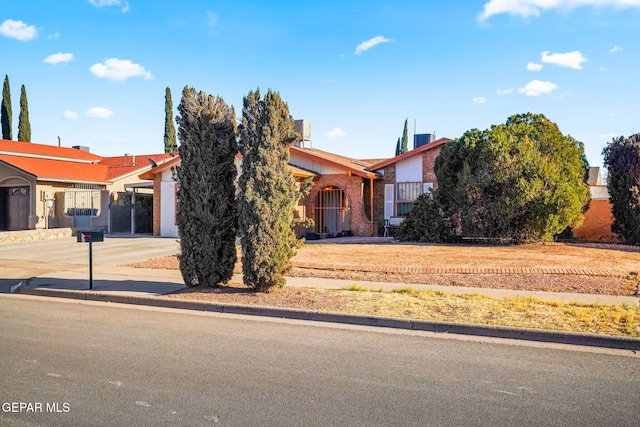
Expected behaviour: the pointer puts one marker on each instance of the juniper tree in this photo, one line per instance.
(207, 215)
(24, 127)
(622, 159)
(5, 110)
(170, 143)
(267, 191)
(405, 138)
(522, 180)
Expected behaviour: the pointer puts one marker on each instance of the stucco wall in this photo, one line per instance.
(168, 227)
(409, 170)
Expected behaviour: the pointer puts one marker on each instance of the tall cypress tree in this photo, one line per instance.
(622, 158)
(405, 138)
(5, 111)
(24, 127)
(398, 147)
(170, 144)
(207, 213)
(268, 191)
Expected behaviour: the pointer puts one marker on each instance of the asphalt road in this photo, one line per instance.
(99, 364)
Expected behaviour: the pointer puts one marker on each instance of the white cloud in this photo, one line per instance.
(105, 3)
(335, 133)
(55, 35)
(537, 87)
(479, 100)
(57, 58)
(527, 8)
(70, 115)
(504, 91)
(532, 66)
(18, 30)
(615, 49)
(119, 69)
(99, 113)
(212, 19)
(368, 44)
(568, 60)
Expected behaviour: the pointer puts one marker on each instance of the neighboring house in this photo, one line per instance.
(44, 186)
(403, 179)
(339, 202)
(598, 218)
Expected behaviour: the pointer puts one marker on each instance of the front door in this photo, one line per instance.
(15, 206)
(333, 214)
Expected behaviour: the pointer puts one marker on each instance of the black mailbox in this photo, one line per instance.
(90, 236)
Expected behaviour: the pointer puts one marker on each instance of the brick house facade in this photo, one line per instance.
(415, 166)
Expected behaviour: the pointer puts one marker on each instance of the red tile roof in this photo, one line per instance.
(426, 147)
(48, 162)
(125, 165)
(58, 170)
(50, 151)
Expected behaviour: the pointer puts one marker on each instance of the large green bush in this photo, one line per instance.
(518, 181)
(426, 222)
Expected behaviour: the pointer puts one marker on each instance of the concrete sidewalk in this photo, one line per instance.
(117, 280)
(146, 286)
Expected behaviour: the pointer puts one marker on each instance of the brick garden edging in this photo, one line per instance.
(483, 270)
(461, 270)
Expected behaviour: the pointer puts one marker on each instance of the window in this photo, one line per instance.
(407, 193)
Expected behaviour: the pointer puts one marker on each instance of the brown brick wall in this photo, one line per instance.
(352, 185)
(428, 175)
(597, 223)
(428, 165)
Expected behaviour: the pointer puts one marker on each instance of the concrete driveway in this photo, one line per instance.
(24, 260)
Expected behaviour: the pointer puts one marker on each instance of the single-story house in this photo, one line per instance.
(403, 178)
(45, 186)
(339, 202)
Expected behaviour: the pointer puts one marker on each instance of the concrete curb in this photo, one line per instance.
(572, 338)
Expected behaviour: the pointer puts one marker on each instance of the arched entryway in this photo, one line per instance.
(332, 211)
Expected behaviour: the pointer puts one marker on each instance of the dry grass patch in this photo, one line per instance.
(520, 312)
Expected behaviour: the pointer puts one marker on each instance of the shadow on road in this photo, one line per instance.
(142, 287)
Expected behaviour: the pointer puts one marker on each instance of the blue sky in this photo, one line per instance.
(95, 71)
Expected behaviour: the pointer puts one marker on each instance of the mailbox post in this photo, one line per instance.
(90, 236)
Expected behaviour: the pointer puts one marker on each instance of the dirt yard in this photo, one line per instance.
(603, 269)
(609, 269)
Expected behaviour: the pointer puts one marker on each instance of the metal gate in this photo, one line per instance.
(120, 209)
(128, 216)
(82, 202)
(332, 211)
